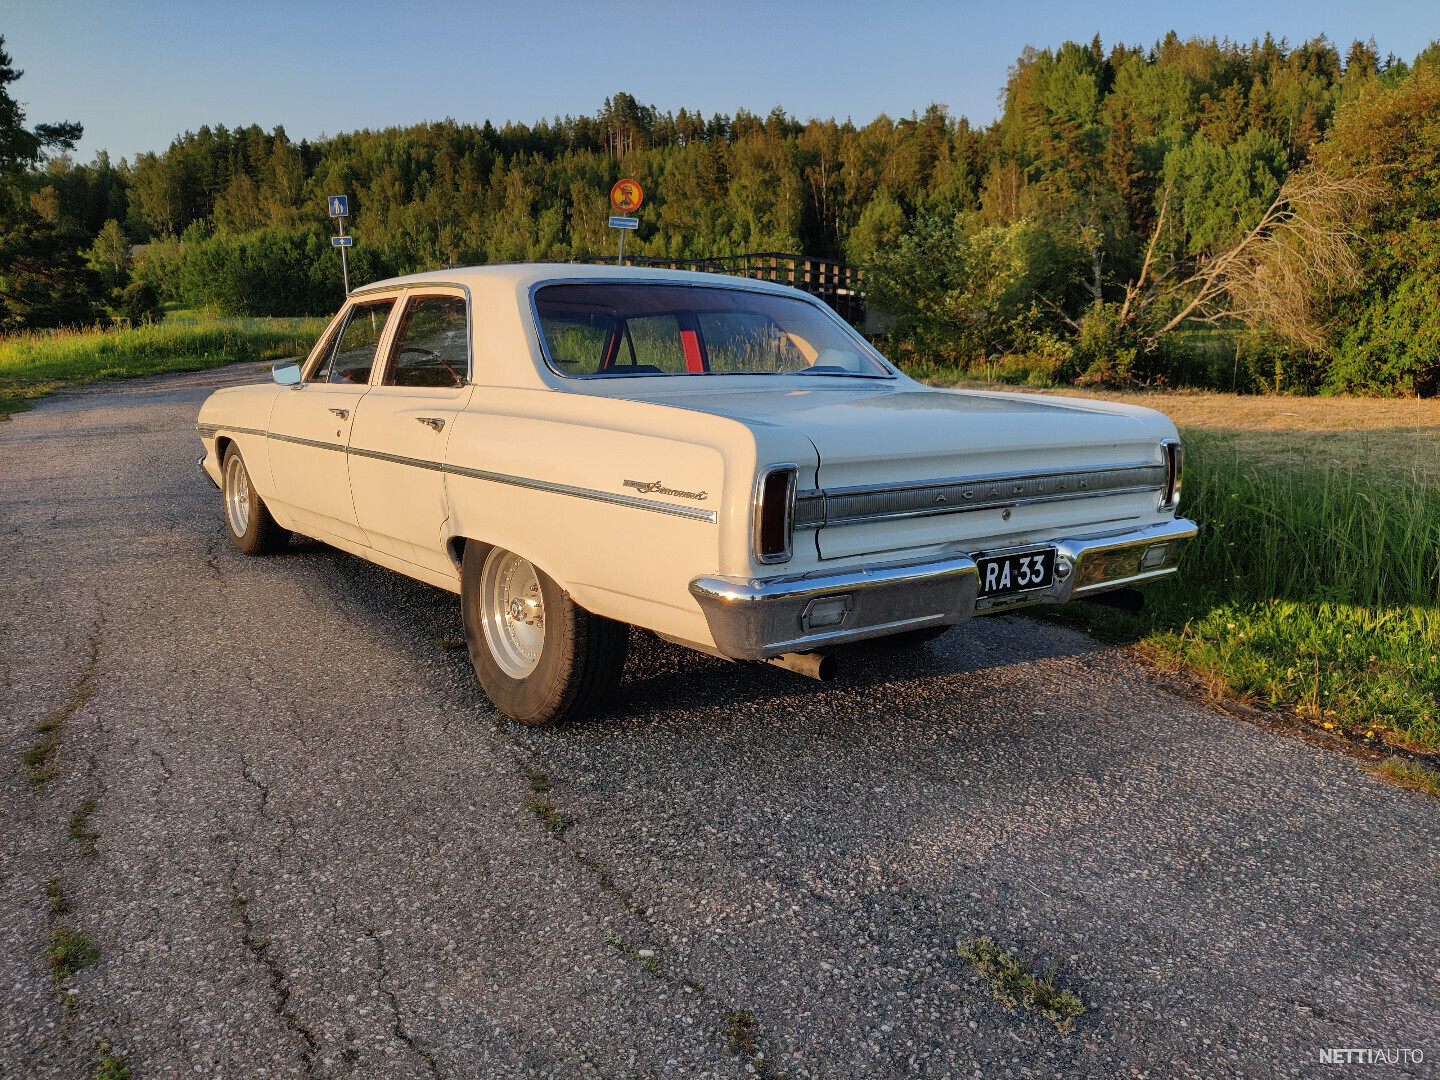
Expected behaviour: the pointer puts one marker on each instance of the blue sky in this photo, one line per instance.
(138, 73)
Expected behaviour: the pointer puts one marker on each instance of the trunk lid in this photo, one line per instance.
(887, 436)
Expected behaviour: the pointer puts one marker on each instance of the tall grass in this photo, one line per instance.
(1312, 587)
(34, 364)
(1322, 532)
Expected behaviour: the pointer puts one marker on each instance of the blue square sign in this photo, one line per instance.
(339, 206)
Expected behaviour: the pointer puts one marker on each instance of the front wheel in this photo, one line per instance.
(247, 519)
(541, 657)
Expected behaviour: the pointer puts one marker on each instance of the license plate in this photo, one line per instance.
(1016, 573)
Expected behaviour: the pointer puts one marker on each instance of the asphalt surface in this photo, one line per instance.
(312, 850)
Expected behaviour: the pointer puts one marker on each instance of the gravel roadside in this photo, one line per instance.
(315, 851)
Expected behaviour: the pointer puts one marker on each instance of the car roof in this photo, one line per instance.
(524, 275)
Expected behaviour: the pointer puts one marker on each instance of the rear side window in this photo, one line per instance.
(431, 344)
(353, 355)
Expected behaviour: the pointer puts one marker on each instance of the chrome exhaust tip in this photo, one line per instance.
(815, 665)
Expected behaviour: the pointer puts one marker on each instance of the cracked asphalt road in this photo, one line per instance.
(315, 854)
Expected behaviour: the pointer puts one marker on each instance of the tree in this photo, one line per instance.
(110, 256)
(43, 279)
(1387, 336)
(1271, 276)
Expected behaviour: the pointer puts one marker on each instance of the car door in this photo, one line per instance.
(311, 425)
(401, 427)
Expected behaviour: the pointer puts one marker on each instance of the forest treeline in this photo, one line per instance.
(1063, 241)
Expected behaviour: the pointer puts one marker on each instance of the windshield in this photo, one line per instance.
(596, 330)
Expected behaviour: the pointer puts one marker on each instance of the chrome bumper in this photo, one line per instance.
(757, 618)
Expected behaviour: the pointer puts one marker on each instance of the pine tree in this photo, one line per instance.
(43, 277)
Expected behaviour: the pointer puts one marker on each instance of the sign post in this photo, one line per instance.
(340, 210)
(626, 196)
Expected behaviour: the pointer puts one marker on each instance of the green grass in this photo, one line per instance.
(71, 950)
(1312, 586)
(1016, 986)
(111, 1066)
(1408, 774)
(33, 365)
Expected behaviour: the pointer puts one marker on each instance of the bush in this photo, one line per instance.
(957, 294)
(138, 303)
(270, 272)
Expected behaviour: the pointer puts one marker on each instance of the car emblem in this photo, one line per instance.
(657, 487)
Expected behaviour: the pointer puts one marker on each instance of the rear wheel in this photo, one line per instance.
(541, 657)
(247, 519)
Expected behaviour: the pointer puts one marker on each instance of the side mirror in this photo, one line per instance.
(286, 374)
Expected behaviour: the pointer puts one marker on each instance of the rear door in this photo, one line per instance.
(402, 426)
(310, 425)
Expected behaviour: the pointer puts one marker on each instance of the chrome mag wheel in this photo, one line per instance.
(513, 612)
(237, 495)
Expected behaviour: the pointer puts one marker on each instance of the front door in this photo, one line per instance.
(397, 444)
(310, 426)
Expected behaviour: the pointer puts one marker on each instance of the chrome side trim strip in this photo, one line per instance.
(306, 442)
(208, 431)
(690, 513)
(890, 502)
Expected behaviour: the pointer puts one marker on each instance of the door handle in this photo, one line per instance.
(342, 413)
(433, 422)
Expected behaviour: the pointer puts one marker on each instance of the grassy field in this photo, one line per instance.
(1313, 584)
(33, 365)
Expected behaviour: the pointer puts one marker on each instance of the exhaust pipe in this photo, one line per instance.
(815, 665)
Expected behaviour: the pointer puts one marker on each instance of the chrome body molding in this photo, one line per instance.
(889, 502)
(757, 618)
(208, 431)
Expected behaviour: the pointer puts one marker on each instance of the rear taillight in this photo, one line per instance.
(1173, 460)
(774, 513)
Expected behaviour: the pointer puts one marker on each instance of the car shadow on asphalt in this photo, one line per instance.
(663, 678)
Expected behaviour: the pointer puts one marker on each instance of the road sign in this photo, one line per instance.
(342, 241)
(624, 222)
(626, 196)
(339, 206)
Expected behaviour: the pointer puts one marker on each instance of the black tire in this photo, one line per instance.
(910, 639)
(580, 657)
(247, 519)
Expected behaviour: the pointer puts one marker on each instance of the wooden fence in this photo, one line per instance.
(838, 284)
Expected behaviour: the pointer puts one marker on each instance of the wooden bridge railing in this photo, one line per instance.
(838, 284)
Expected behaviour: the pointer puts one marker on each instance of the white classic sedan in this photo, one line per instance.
(725, 462)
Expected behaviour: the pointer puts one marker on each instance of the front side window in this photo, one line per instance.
(607, 329)
(431, 344)
(352, 356)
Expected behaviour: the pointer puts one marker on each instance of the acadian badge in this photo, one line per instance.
(626, 196)
(647, 487)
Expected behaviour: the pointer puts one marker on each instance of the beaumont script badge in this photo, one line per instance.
(658, 487)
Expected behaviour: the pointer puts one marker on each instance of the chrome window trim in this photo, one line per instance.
(891, 371)
(755, 502)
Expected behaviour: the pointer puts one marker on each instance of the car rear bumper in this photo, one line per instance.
(757, 618)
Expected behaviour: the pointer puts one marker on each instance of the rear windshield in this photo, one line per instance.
(598, 330)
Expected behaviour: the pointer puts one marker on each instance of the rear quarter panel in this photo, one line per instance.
(620, 561)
